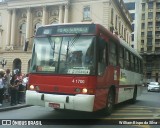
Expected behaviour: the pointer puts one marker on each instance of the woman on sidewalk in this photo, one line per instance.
(7, 78)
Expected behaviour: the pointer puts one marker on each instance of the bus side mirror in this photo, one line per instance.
(26, 45)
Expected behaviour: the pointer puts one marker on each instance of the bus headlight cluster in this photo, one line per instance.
(32, 87)
(84, 90)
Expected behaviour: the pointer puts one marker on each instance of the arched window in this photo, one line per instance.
(37, 25)
(22, 34)
(17, 64)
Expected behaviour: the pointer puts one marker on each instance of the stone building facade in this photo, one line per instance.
(149, 45)
(19, 20)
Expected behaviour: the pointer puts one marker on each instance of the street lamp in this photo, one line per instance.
(3, 62)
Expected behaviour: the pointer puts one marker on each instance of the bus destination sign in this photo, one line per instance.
(72, 29)
(66, 29)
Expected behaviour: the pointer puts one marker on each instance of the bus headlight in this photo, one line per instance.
(84, 90)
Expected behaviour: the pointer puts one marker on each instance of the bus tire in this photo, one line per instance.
(133, 100)
(109, 103)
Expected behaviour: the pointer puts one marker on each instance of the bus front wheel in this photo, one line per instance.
(109, 103)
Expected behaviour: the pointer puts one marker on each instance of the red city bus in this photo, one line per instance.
(82, 67)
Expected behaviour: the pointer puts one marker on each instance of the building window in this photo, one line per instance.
(149, 49)
(133, 16)
(142, 34)
(116, 22)
(148, 75)
(0, 20)
(112, 15)
(158, 5)
(142, 49)
(132, 37)
(122, 30)
(158, 15)
(133, 27)
(143, 25)
(150, 24)
(150, 5)
(150, 15)
(157, 50)
(143, 6)
(119, 27)
(87, 13)
(130, 6)
(149, 34)
(22, 33)
(149, 41)
(143, 16)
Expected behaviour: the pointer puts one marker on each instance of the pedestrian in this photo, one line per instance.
(21, 92)
(7, 78)
(1, 87)
(24, 83)
(14, 92)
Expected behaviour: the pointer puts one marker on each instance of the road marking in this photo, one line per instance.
(135, 112)
(142, 126)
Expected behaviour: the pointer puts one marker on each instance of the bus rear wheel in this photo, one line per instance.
(133, 100)
(109, 103)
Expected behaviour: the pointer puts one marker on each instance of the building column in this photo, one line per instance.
(66, 14)
(13, 27)
(60, 13)
(28, 24)
(8, 35)
(44, 15)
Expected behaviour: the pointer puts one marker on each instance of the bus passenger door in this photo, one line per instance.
(102, 63)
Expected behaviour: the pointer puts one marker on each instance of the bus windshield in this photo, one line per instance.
(64, 55)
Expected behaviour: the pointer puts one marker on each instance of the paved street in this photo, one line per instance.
(146, 108)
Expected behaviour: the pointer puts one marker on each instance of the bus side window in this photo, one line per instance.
(141, 66)
(113, 54)
(136, 64)
(121, 57)
(102, 59)
(127, 61)
(132, 63)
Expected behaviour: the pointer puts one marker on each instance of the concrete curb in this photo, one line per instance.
(14, 107)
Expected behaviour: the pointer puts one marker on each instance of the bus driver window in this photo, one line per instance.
(102, 45)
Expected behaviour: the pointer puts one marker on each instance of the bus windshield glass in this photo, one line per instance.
(64, 55)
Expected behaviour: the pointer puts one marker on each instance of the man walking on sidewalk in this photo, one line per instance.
(1, 88)
(14, 93)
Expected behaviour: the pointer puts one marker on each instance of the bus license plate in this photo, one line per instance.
(54, 105)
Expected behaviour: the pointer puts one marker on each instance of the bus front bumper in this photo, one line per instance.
(80, 102)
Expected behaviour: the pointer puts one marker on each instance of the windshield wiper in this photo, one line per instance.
(75, 38)
(52, 44)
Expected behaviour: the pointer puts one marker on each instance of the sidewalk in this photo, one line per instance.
(6, 106)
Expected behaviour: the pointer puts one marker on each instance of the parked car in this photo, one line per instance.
(153, 86)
